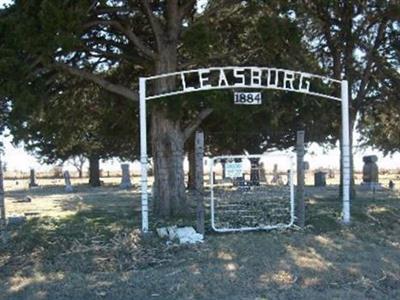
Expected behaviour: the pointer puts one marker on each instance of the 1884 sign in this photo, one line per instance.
(247, 98)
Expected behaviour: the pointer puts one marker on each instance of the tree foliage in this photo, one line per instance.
(353, 40)
(379, 122)
(82, 119)
(130, 38)
(257, 36)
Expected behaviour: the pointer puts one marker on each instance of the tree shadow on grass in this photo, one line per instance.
(51, 201)
(89, 242)
(96, 254)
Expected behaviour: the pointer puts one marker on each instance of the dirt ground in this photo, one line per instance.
(87, 245)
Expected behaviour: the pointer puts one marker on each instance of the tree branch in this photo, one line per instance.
(137, 42)
(369, 59)
(173, 21)
(196, 122)
(112, 87)
(154, 22)
(331, 43)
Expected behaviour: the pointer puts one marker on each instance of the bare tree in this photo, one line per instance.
(78, 161)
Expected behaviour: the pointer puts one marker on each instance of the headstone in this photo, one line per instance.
(276, 178)
(223, 164)
(263, 177)
(391, 184)
(68, 185)
(32, 181)
(320, 178)
(370, 171)
(287, 177)
(255, 171)
(126, 178)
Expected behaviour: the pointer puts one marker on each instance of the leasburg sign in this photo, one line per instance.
(246, 77)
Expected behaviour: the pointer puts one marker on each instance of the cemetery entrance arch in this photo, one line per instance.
(216, 78)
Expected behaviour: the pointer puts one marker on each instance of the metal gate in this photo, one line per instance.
(250, 192)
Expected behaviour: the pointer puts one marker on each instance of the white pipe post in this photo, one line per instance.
(292, 199)
(212, 192)
(143, 154)
(345, 152)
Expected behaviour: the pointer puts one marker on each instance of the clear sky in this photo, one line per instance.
(17, 159)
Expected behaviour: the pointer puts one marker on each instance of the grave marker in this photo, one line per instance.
(68, 185)
(32, 179)
(276, 178)
(320, 178)
(255, 171)
(126, 178)
(370, 171)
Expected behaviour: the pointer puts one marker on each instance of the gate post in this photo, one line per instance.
(143, 154)
(345, 151)
(199, 180)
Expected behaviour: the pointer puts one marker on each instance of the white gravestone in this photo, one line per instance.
(68, 185)
(126, 178)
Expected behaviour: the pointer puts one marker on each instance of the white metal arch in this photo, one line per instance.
(216, 78)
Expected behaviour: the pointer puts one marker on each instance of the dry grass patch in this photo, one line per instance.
(96, 251)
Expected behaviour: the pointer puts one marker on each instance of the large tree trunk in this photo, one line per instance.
(168, 153)
(94, 170)
(168, 140)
